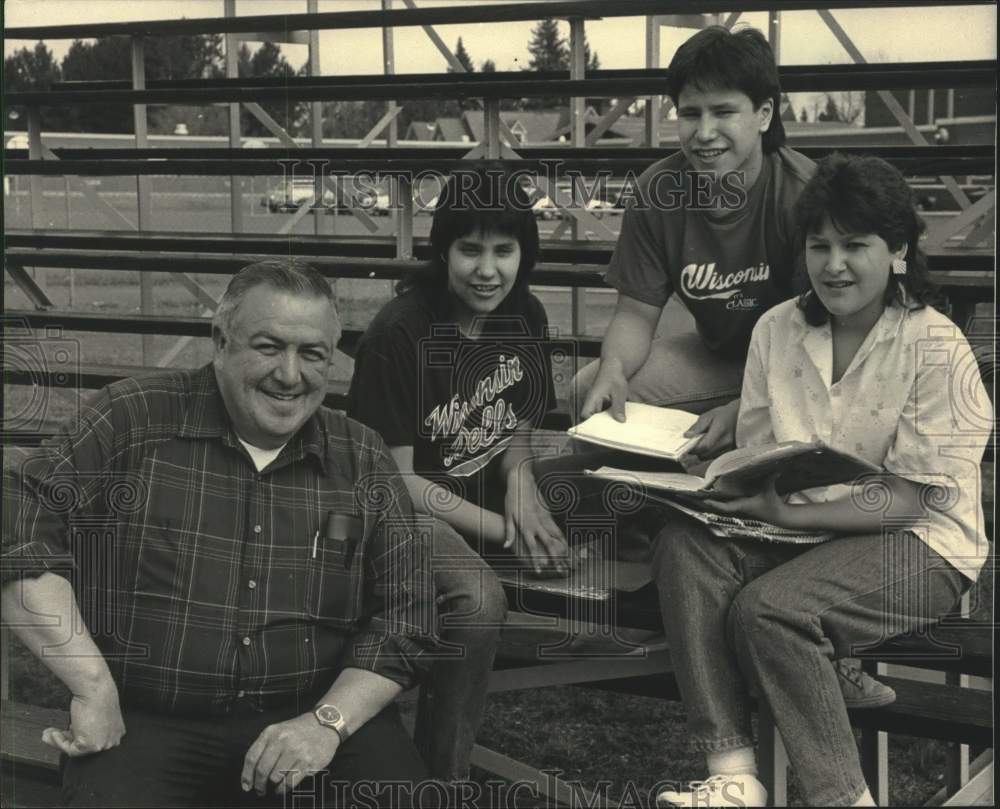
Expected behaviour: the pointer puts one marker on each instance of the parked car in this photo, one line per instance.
(599, 207)
(378, 206)
(545, 208)
(295, 192)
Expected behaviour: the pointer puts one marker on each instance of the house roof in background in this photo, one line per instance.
(420, 130)
(539, 125)
(451, 129)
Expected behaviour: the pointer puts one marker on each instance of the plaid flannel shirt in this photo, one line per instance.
(204, 581)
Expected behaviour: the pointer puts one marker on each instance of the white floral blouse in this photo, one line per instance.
(911, 400)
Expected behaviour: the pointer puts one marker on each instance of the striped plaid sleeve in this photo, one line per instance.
(43, 488)
(399, 636)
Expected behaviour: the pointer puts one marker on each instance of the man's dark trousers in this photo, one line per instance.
(197, 761)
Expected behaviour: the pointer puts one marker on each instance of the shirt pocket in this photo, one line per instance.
(160, 558)
(333, 577)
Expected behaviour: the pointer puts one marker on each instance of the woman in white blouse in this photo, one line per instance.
(863, 363)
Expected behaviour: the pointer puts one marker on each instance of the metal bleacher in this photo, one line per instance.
(962, 260)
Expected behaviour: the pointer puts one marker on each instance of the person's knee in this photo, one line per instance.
(678, 549)
(476, 601)
(758, 612)
(470, 596)
(494, 600)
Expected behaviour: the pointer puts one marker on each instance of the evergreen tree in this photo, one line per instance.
(268, 62)
(463, 57)
(489, 66)
(451, 108)
(547, 48)
(194, 56)
(353, 119)
(107, 58)
(830, 111)
(186, 57)
(197, 56)
(549, 51)
(34, 69)
(28, 70)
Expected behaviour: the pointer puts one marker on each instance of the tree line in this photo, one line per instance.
(201, 56)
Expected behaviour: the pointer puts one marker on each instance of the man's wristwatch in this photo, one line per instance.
(329, 716)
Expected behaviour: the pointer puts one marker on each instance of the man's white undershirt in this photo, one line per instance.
(261, 457)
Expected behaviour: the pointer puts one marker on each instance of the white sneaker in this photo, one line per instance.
(719, 790)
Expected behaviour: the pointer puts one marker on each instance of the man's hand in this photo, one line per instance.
(529, 527)
(286, 753)
(95, 724)
(718, 430)
(609, 391)
(765, 505)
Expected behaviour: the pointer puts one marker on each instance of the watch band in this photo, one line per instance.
(329, 716)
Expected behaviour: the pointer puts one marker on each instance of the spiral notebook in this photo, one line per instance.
(732, 527)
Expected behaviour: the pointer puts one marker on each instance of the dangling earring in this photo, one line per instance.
(899, 266)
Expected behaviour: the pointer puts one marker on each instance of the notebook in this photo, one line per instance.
(733, 527)
(647, 430)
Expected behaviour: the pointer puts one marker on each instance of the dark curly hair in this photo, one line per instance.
(866, 195)
(720, 59)
(489, 198)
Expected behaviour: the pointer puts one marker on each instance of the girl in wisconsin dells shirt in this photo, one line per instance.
(454, 374)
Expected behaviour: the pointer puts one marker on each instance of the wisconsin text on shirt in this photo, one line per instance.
(449, 419)
(702, 282)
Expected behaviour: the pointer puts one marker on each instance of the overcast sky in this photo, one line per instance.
(965, 32)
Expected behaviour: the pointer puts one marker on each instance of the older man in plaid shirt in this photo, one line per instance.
(253, 588)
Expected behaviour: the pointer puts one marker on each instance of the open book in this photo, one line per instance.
(647, 430)
(798, 464)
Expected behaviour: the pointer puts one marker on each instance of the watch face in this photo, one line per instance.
(328, 714)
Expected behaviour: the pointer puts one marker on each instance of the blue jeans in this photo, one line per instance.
(743, 612)
(472, 607)
(679, 371)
